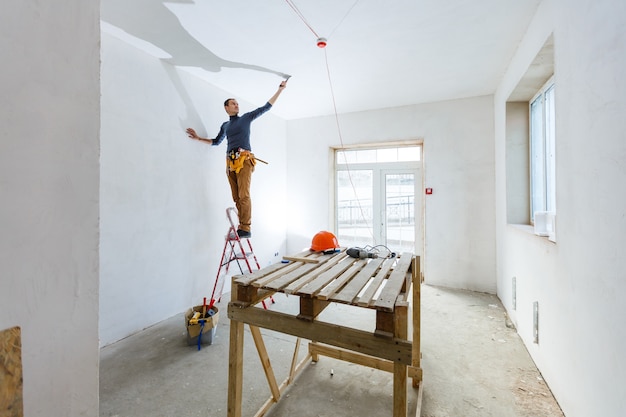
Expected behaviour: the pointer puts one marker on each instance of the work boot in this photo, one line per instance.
(243, 234)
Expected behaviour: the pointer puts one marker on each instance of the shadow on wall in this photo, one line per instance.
(152, 22)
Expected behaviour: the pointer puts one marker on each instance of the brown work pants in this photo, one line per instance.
(240, 188)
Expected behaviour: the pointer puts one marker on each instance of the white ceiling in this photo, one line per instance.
(379, 54)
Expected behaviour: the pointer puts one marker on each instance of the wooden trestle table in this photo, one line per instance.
(391, 286)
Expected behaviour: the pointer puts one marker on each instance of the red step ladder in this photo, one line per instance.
(234, 250)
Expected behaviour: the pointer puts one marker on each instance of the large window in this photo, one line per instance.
(376, 198)
(542, 152)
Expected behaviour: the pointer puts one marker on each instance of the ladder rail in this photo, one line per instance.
(231, 241)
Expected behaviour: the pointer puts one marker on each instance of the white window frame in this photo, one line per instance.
(542, 141)
(377, 167)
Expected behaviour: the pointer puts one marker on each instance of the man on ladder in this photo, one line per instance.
(240, 160)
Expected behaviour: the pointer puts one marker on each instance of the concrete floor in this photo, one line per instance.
(474, 366)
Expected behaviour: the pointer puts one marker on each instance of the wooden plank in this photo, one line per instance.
(314, 273)
(301, 259)
(247, 279)
(394, 283)
(11, 385)
(265, 280)
(366, 299)
(316, 285)
(265, 361)
(349, 293)
(356, 340)
(288, 278)
(341, 280)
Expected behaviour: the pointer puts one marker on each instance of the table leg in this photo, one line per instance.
(399, 390)
(235, 369)
(401, 330)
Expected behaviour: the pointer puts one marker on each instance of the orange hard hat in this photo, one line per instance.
(324, 241)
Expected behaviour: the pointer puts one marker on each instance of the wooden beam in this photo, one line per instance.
(385, 323)
(270, 401)
(249, 295)
(394, 349)
(399, 390)
(416, 319)
(294, 362)
(310, 308)
(418, 406)
(235, 369)
(265, 361)
(385, 365)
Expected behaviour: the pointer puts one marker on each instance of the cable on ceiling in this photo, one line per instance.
(301, 16)
(332, 93)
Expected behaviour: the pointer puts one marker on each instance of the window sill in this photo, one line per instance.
(530, 230)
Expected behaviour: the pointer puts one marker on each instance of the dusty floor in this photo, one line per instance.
(474, 366)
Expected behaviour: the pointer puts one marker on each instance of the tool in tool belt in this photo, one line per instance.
(236, 158)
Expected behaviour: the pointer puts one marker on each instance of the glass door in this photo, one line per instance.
(398, 224)
(377, 200)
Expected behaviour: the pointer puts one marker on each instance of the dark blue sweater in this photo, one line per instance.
(237, 129)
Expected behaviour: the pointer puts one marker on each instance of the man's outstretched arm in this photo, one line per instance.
(193, 135)
(281, 87)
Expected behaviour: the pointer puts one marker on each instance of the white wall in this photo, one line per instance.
(458, 165)
(49, 140)
(164, 196)
(579, 281)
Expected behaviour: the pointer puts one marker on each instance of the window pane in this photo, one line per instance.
(550, 132)
(410, 154)
(354, 208)
(346, 157)
(365, 156)
(387, 155)
(537, 157)
(400, 212)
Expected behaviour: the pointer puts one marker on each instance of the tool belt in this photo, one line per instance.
(237, 157)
